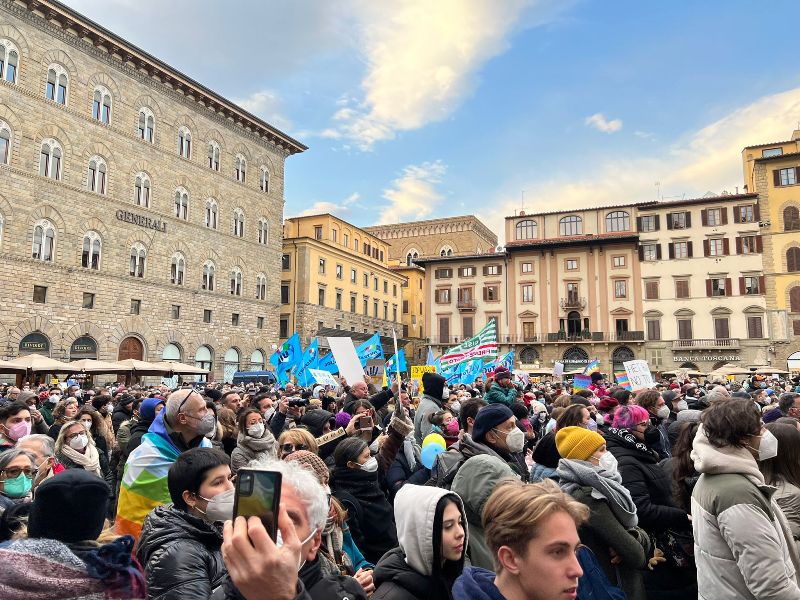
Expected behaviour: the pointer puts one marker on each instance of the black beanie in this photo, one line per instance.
(213, 394)
(597, 376)
(69, 507)
(433, 384)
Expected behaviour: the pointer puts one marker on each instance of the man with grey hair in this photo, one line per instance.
(292, 569)
(43, 448)
(718, 392)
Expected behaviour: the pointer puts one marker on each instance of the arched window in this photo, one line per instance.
(90, 258)
(96, 181)
(411, 257)
(526, 230)
(231, 365)
(261, 287)
(793, 260)
(101, 105)
(791, 218)
(263, 181)
(181, 204)
(446, 251)
(529, 356)
(263, 231)
(9, 61)
(177, 268)
(50, 159)
(236, 282)
(141, 190)
(138, 258)
(618, 221)
(257, 360)
(57, 83)
(211, 213)
(5, 143)
(571, 225)
(213, 155)
(44, 241)
(185, 142)
(240, 168)
(238, 222)
(208, 276)
(202, 358)
(147, 124)
(794, 299)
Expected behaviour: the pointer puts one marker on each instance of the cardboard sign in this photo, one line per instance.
(346, 358)
(558, 369)
(374, 370)
(323, 377)
(416, 374)
(639, 375)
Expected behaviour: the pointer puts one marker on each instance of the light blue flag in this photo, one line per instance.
(310, 360)
(369, 350)
(328, 363)
(286, 357)
(453, 376)
(473, 369)
(429, 360)
(391, 364)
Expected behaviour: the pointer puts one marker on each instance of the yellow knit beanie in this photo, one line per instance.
(578, 443)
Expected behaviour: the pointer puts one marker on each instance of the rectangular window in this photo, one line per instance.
(745, 214)
(681, 288)
(684, 329)
(492, 270)
(339, 271)
(651, 290)
(653, 329)
(234, 319)
(352, 303)
(375, 282)
(620, 288)
(322, 266)
(529, 331)
(649, 252)
(619, 261)
(443, 273)
(385, 287)
(722, 330)
(405, 307)
(572, 264)
(680, 250)
(259, 322)
(321, 296)
(375, 309)
(318, 232)
(338, 300)
(385, 311)
(716, 247)
(394, 312)
(771, 152)
(754, 328)
(527, 267)
(353, 276)
(334, 235)
(284, 293)
(714, 217)
(787, 176)
(466, 272)
(527, 293)
(444, 330)
(136, 307)
(40, 294)
(751, 286)
(285, 262)
(677, 220)
(442, 296)
(466, 327)
(346, 240)
(355, 245)
(718, 286)
(647, 223)
(491, 293)
(621, 326)
(175, 311)
(748, 244)
(366, 280)
(283, 328)
(206, 315)
(88, 300)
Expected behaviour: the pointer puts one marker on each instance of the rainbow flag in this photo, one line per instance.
(593, 366)
(581, 382)
(622, 380)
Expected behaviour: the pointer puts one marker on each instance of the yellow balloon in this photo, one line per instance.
(433, 438)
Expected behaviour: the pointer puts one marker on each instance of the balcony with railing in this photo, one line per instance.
(466, 304)
(596, 336)
(706, 344)
(573, 302)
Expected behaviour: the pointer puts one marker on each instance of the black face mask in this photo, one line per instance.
(651, 436)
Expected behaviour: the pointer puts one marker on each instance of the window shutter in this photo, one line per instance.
(671, 249)
(756, 213)
(485, 269)
(436, 295)
(658, 222)
(726, 246)
(704, 217)
(708, 288)
(728, 287)
(669, 221)
(762, 287)
(638, 223)
(724, 215)
(742, 290)
(436, 274)
(485, 294)
(658, 251)
(689, 251)
(776, 178)
(641, 252)
(688, 219)
(706, 248)
(796, 173)
(738, 245)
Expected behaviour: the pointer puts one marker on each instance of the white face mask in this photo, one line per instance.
(683, 405)
(370, 466)
(279, 543)
(218, 508)
(608, 462)
(455, 406)
(445, 393)
(79, 442)
(515, 439)
(663, 412)
(87, 424)
(256, 431)
(54, 399)
(768, 448)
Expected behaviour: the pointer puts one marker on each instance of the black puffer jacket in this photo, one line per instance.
(648, 483)
(137, 431)
(395, 580)
(118, 417)
(181, 555)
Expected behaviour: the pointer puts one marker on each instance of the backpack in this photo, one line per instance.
(593, 584)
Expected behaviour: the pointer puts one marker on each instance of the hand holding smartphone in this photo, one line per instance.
(258, 494)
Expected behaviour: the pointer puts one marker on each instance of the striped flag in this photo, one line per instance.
(593, 366)
(622, 380)
(581, 382)
(479, 346)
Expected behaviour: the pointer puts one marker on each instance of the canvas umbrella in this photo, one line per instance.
(88, 365)
(7, 366)
(141, 367)
(36, 363)
(771, 371)
(179, 368)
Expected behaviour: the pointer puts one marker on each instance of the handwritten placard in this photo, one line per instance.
(639, 375)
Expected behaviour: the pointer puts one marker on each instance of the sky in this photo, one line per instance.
(415, 109)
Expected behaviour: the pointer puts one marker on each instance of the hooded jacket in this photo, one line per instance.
(448, 463)
(476, 584)
(181, 555)
(743, 544)
(427, 406)
(412, 571)
(475, 482)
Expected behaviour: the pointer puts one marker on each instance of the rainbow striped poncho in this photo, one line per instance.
(144, 481)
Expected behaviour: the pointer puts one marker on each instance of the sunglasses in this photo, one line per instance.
(289, 448)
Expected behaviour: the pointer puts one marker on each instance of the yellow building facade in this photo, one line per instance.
(413, 312)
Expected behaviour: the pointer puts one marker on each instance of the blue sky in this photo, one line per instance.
(414, 109)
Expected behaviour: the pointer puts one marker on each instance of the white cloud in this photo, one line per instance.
(413, 195)
(599, 122)
(422, 58)
(340, 209)
(267, 105)
(702, 160)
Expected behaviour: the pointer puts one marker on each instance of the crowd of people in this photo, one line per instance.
(539, 491)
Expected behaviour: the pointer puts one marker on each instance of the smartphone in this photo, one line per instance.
(365, 422)
(258, 494)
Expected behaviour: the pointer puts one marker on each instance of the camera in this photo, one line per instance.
(297, 402)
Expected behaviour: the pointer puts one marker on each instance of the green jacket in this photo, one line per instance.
(498, 394)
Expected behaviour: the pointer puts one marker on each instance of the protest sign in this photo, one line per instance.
(346, 358)
(639, 376)
(323, 377)
(417, 372)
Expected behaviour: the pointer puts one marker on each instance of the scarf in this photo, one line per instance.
(628, 439)
(411, 452)
(574, 474)
(89, 461)
(266, 443)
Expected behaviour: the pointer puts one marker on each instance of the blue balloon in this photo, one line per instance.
(428, 455)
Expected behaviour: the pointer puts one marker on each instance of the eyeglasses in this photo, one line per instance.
(289, 448)
(14, 472)
(72, 436)
(180, 406)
